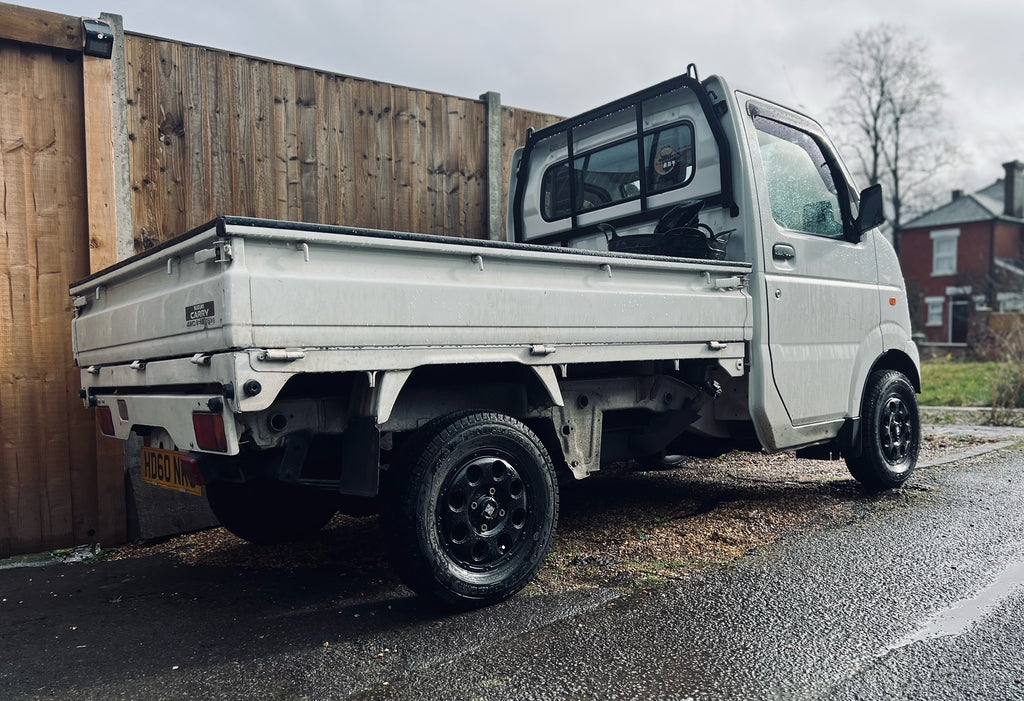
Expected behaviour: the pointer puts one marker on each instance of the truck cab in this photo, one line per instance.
(829, 303)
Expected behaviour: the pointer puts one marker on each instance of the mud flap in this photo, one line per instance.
(849, 438)
(360, 458)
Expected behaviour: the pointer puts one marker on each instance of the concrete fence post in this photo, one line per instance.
(122, 169)
(495, 173)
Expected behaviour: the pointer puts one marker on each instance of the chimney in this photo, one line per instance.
(1013, 188)
(957, 194)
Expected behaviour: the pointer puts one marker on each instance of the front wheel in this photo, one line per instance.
(890, 432)
(471, 509)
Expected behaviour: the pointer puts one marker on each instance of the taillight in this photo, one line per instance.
(209, 430)
(106, 420)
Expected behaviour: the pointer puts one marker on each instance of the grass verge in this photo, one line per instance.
(956, 383)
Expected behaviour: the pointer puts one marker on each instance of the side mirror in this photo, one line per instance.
(872, 213)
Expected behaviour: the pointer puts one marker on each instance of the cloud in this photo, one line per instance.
(566, 56)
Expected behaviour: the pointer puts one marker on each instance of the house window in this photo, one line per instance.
(1010, 301)
(944, 251)
(934, 305)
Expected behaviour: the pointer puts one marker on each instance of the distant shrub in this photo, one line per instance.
(1008, 377)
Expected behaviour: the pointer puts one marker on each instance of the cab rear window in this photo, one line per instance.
(625, 170)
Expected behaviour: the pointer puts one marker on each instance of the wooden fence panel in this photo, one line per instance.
(213, 133)
(51, 491)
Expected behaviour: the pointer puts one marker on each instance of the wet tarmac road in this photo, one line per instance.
(920, 596)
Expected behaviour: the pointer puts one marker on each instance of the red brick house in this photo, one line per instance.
(965, 259)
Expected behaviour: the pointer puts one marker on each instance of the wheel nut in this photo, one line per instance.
(491, 491)
(473, 506)
(501, 513)
(483, 527)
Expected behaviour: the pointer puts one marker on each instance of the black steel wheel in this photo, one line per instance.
(267, 511)
(890, 432)
(470, 509)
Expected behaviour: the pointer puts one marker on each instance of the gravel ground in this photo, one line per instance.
(622, 527)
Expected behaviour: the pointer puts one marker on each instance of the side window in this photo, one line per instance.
(801, 186)
(669, 154)
(555, 193)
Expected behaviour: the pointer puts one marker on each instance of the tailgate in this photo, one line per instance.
(171, 301)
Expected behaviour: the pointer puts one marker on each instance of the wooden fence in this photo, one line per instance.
(204, 132)
(213, 133)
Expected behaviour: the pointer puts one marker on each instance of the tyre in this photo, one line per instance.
(890, 432)
(470, 509)
(267, 511)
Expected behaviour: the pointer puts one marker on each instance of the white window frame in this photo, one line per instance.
(936, 308)
(944, 261)
(1010, 301)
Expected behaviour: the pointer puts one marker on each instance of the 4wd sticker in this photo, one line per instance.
(201, 314)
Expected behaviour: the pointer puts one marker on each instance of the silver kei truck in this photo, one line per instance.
(691, 271)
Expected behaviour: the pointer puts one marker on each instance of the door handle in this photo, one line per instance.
(783, 251)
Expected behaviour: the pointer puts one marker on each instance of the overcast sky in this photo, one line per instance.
(566, 56)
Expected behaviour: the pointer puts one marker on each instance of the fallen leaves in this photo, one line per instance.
(621, 527)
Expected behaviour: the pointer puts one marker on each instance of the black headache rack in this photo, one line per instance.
(713, 112)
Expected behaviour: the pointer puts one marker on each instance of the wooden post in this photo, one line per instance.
(99, 163)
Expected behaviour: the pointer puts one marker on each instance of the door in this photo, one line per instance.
(959, 310)
(821, 282)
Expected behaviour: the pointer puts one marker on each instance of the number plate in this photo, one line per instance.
(163, 468)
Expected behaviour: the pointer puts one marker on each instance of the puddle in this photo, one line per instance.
(963, 614)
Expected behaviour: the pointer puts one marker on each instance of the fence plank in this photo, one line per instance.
(143, 139)
(19, 456)
(243, 175)
(286, 144)
(40, 27)
(219, 114)
(263, 143)
(172, 146)
(329, 110)
(67, 228)
(198, 183)
(306, 102)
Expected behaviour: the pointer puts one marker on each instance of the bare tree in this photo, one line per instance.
(891, 106)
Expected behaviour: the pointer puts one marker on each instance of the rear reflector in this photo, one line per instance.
(106, 420)
(209, 430)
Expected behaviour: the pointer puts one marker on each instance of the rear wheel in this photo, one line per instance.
(471, 509)
(890, 432)
(268, 511)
